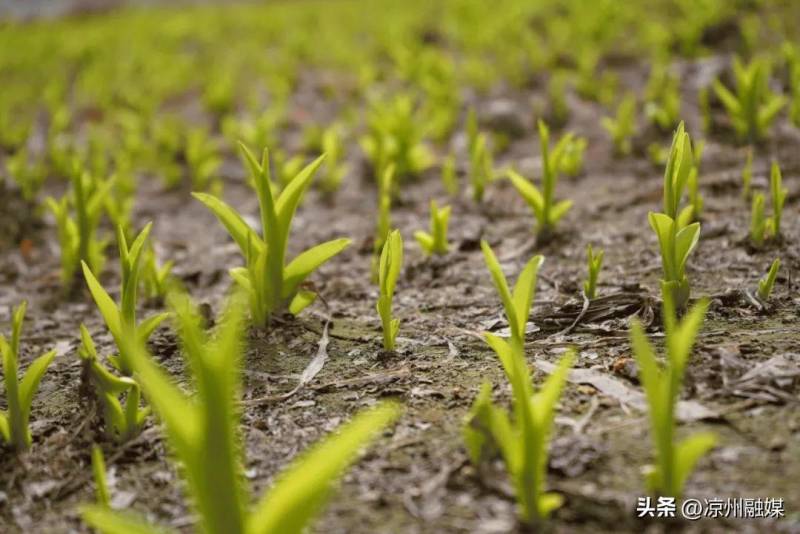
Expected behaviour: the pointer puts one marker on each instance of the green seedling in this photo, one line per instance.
(261, 130)
(766, 284)
(19, 395)
(206, 427)
(481, 166)
(121, 319)
(435, 242)
(524, 440)
(623, 125)
(77, 234)
(546, 210)
(675, 240)
(334, 168)
(29, 176)
(396, 135)
(568, 154)
(269, 282)
(657, 154)
(155, 278)
(662, 98)
(762, 227)
(557, 98)
(102, 495)
(594, 264)
(388, 271)
(119, 202)
(517, 303)
(694, 211)
(747, 173)
(753, 107)
(449, 177)
(674, 462)
(778, 194)
(590, 84)
(203, 160)
(122, 422)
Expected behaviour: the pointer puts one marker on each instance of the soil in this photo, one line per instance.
(745, 368)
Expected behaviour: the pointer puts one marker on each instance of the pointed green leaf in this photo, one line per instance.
(685, 241)
(30, 383)
(529, 192)
(110, 521)
(239, 230)
(146, 328)
(108, 308)
(293, 192)
(559, 210)
(425, 240)
(524, 292)
(302, 489)
(688, 453)
(301, 301)
(501, 285)
(307, 262)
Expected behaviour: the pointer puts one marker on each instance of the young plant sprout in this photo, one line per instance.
(623, 125)
(524, 440)
(121, 319)
(207, 427)
(662, 98)
(29, 176)
(766, 284)
(568, 154)
(557, 98)
(747, 173)
(778, 194)
(102, 495)
(203, 159)
(676, 242)
(77, 234)
(270, 283)
(674, 462)
(388, 271)
(122, 422)
(517, 302)
(396, 135)
(753, 107)
(334, 168)
(19, 394)
(762, 227)
(436, 241)
(546, 210)
(594, 262)
(481, 168)
(119, 202)
(155, 278)
(449, 178)
(694, 210)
